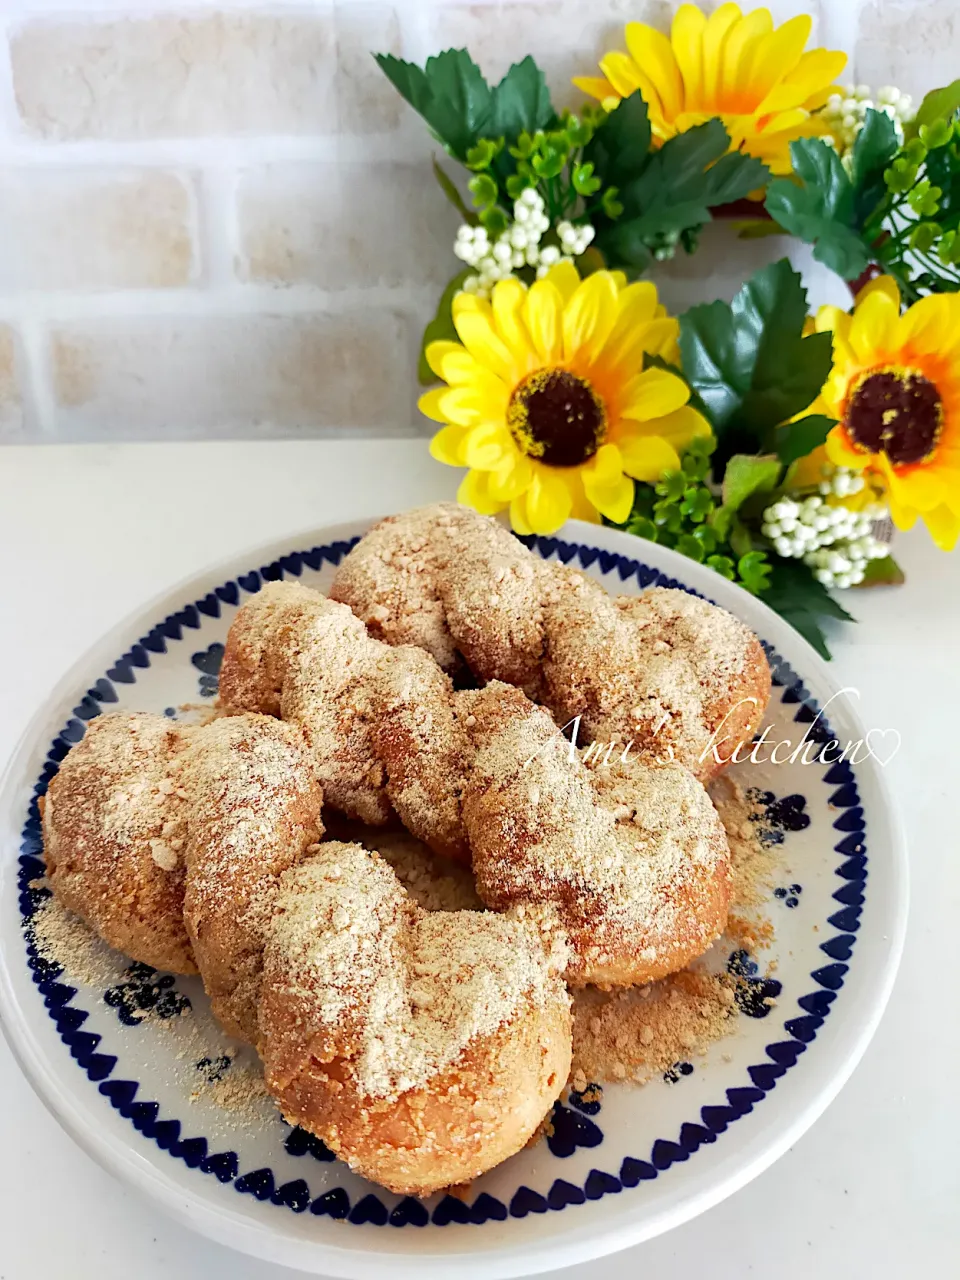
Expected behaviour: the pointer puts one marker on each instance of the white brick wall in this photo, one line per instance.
(217, 218)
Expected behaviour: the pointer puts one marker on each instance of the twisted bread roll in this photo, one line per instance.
(169, 839)
(680, 678)
(628, 861)
(424, 1048)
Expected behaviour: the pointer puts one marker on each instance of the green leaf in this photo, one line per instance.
(748, 360)
(748, 474)
(820, 207)
(722, 565)
(876, 145)
(741, 543)
(938, 103)
(803, 601)
(521, 102)
(643, 528)
(440, 328)
(690, 547)
(621, 144)
(674, 190)
(484, 153)
(796, 439)
(754, 569)
(450, 93)
(882, 573)
(484, 189)
(584, 183)
(449, 189)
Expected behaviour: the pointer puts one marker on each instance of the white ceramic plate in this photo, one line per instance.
(644, 1161)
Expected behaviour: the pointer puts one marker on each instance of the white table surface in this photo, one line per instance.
(89, 533)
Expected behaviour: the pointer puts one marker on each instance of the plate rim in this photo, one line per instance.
(578, 1243)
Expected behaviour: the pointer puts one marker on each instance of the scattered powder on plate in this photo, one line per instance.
(209, 1068)
(754, 861)
(638, 1032)
(62, 938)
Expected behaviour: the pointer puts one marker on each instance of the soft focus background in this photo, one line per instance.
(217, 220)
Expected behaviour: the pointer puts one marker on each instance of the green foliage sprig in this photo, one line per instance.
(596, 166)
(681, 512)
(892, 205)
(753, 370)
(666, 194)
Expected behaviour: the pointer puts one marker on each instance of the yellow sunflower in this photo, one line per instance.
(895, 389)
(547, 401)
(738, 66)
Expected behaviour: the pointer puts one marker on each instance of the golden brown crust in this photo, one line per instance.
(378, 720)
(453, 765)
(422, 1048)
(673, 673)
(169, 839)
(103, 818)
(629, 862)
(253, 810)
(476, 1114)
(425, 1047)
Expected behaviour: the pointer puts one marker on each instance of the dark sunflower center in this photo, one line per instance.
(897, 412)
(557, 417)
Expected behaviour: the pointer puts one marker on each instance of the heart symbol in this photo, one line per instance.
(883, 734)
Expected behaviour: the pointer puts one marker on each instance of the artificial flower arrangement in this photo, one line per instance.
(766, 443)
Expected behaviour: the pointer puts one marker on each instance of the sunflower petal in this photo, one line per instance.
(567, 279)
(880, 284)
(583, 508)
(507, 307)
(815, 71)
(686, 37)
(661, 337)
(429, 404)
(594, 86)
(623, 73)
(463, 406)
(931, 325)
(777, 53)
(613, 500)
(474, 492)
(842, 453)
(435, 353)
(622, 353)
(718, 27)
(486, 446)
(478, 335)
(548, 501)
(589, 317)
(921, 488)
(543, 313)
(653, 394)
(606, 465)
(447, 446)
(738, 50)
(463, 302)
(679, 427)
(511, 478)
(518, 516)
(872, 327)
(944, 526)
(648, 457)
(651, 50)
